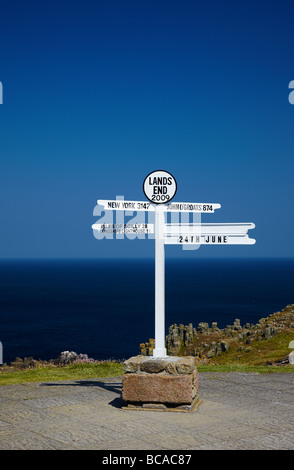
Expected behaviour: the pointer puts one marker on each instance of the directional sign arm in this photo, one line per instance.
(126, 205)
(209, 229)
(208, 234)
(191, 207)
(217, 239)
(197, 207)
(124, 228)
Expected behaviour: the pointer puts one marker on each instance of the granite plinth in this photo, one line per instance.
(169, 383)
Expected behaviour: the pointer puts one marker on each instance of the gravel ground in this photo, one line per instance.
(238, 411)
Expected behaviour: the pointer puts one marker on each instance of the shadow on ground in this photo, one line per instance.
(109, 386)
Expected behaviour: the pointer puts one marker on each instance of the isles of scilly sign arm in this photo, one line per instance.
(160, 187)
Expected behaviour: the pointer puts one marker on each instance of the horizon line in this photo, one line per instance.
(88, 258)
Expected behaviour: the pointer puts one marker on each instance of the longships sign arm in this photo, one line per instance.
(210, 228)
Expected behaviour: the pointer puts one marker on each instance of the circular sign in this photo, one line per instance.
(159, 187)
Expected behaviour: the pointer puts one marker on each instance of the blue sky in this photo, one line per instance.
(97, 94)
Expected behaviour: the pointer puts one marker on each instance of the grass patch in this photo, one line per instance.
(258, 353)
(53, 373)
(113, 369)
(244, 368)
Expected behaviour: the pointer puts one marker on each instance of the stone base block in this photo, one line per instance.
(163, 407)
(169, 383)
(155, 388)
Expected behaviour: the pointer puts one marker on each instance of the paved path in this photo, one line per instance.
(238, 411)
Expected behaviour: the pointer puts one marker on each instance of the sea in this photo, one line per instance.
(105, 308)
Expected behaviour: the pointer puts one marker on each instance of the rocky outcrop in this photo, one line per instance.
(67, 357)
(25, 363)
(147, 348)
(209, 341)
(64, 358)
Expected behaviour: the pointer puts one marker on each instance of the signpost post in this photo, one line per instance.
(176, 385)
(159, 350)
(159, 187)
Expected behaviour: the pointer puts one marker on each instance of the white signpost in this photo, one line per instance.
(160, 187)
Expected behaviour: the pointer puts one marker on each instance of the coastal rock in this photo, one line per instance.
(66, 357)
(210, 353)
(203, 327)
(218, 348)
(237, 325)
(224, 345)
(25, 363)
(269, 331)
(179, 335)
